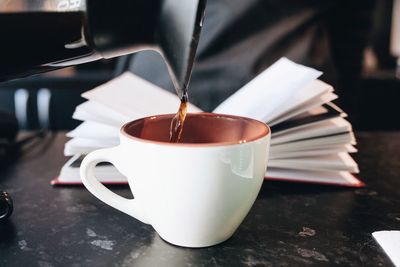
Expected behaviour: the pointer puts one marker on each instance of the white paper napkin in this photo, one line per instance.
(390, 243)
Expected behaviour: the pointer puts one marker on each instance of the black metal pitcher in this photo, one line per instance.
(42, 35)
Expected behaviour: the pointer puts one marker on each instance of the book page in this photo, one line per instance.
(333, 162)
(92, 111)
(84, 146)
(318, 177)
(316, 143)
(314, 152)
(322, 128)
(266, 93)
(302, 97)
(94, 130)
(308, 105)
(134, 97)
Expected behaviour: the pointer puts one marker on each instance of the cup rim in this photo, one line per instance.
(266, 131)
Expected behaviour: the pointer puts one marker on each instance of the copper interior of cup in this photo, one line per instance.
(199, 128)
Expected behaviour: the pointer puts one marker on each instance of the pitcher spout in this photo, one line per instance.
(178, 34)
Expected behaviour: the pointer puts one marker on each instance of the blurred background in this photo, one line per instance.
(350, 41)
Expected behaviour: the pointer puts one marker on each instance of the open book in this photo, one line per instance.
(311, 139)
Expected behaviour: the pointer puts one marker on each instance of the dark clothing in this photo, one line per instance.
(242, 38)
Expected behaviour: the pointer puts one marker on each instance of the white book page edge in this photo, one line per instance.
(91, 111)
(334, 162)
(303, 97)
(319, 101)
(315, 152)
(84, 146)
(302, 127)
(316, 143)
(323, 128)
(94, 130)
(317, 177)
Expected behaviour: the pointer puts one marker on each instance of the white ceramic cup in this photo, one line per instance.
(194, 193)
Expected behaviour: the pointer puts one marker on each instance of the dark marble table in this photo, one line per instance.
(289, 225)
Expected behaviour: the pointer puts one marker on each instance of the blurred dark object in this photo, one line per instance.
(8, 134)
(379, 106)
(48, 101)
(8, 127)
(381, 34)
(395, 35)
(10, 145)
(380, 87)
(6, 206)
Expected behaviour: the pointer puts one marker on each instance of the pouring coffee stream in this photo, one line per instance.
(177, 123)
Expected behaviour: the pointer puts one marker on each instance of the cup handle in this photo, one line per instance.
(128, 206)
